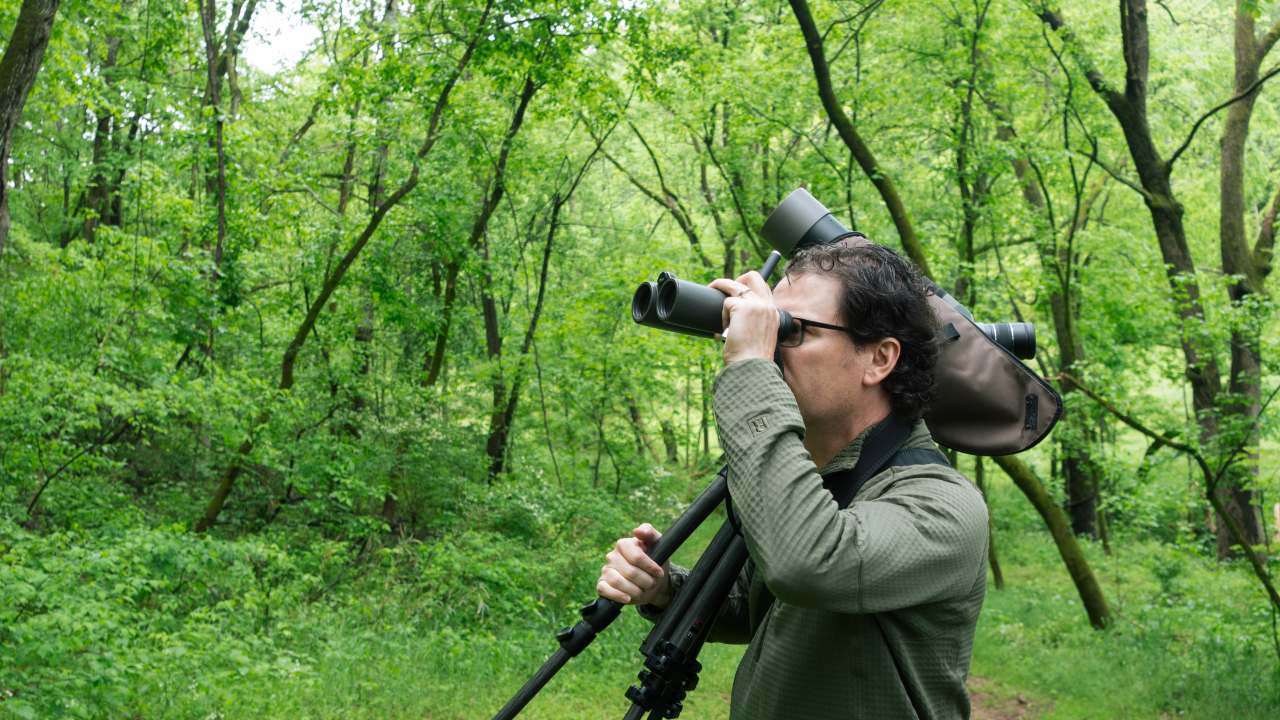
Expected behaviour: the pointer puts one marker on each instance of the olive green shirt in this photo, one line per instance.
(876, 604)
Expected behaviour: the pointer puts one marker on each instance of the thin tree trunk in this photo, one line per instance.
(19, 66)
(1057, 257)
(644, 448)
(219, 58)
(494, 192)
(849, 134)
(500, 425)
(98, 194)
(216, 502)
(979, 479)
(1095, 603)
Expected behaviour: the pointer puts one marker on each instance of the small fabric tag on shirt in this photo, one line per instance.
(759, 423)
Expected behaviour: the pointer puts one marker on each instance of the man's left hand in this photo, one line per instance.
(750, 318)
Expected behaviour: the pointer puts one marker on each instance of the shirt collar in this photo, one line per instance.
(847, 458)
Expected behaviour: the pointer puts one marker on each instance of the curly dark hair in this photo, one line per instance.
(884, 296)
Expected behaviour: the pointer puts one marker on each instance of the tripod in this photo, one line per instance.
(672, 646)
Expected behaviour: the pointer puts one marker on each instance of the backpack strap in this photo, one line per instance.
(881, 449)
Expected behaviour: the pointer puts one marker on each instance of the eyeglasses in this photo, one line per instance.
(796, 335)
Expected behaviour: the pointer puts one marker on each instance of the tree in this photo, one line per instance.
(1220, 416)
(333, 279)
(18, 69)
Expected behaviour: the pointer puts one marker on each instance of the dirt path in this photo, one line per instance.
(988, 705)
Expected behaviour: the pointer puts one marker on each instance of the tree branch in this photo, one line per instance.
(1267, 42)
(1257, 84)
(1053, 19)
(1264, 248)
(1167, 438)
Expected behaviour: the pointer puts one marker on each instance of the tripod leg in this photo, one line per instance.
(598, 615)
(671, 665)
(692, 588)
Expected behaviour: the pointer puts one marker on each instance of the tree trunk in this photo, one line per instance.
(669, 441)
(1095, 603)
(1245, 378)
(220, 52)
(979, 479)
(214, 508)
(500, 423)
(849, 134)
(98, 194)
(493, 195)
(18, 68)
(1058, 259)
(643, 446)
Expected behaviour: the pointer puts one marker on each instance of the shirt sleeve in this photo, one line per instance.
(913, 544)
(732, 625)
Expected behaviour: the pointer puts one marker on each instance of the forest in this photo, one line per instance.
(320, 394)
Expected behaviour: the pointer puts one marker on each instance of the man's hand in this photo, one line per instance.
(750, 318)
(630, 576)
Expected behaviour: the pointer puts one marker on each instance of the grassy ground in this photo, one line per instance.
(1188, 641)
(157, 624)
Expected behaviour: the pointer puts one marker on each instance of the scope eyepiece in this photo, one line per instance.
(799, 221)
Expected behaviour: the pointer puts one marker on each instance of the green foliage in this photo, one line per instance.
(364, 562)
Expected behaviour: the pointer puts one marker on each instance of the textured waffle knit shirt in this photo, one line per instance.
(876, 604)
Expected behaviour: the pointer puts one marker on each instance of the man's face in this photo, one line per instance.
(826, 371)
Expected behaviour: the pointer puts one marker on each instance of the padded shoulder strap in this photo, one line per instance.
(882, 449)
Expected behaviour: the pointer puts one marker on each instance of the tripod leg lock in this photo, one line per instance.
(671, 675)
(596, 616)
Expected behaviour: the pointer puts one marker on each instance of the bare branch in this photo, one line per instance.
(1167, 438)
(1257, 85)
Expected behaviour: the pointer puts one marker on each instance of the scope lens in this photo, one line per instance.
(1017, 338)
(667, 292)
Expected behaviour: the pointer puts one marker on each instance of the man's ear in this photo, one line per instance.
(882, 359)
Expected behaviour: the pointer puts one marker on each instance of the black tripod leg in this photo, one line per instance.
(598, 615)
(691, 590)
(671, 665)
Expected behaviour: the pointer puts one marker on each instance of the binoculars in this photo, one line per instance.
(799, 221)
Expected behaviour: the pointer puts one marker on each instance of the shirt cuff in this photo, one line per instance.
(678, 576)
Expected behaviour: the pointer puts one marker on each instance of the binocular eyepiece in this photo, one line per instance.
(797, 222)
(670, 303)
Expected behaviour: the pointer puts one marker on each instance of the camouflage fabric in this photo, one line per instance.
(876, 604)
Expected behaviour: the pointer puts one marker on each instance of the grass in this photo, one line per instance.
(453, 628)
(1186, 642)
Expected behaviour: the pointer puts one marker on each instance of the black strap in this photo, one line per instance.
(881, 449)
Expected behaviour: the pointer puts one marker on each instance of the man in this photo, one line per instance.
(863, 612)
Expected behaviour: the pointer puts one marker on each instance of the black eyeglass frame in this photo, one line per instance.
(800, 324)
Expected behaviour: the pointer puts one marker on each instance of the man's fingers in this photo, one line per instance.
(621, 583)
(727, 286)
(755, 282)
(608, 592)
(642, 579)
(647, 535)
(635, 555)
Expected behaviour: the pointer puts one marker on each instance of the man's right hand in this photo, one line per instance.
(630, 576)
